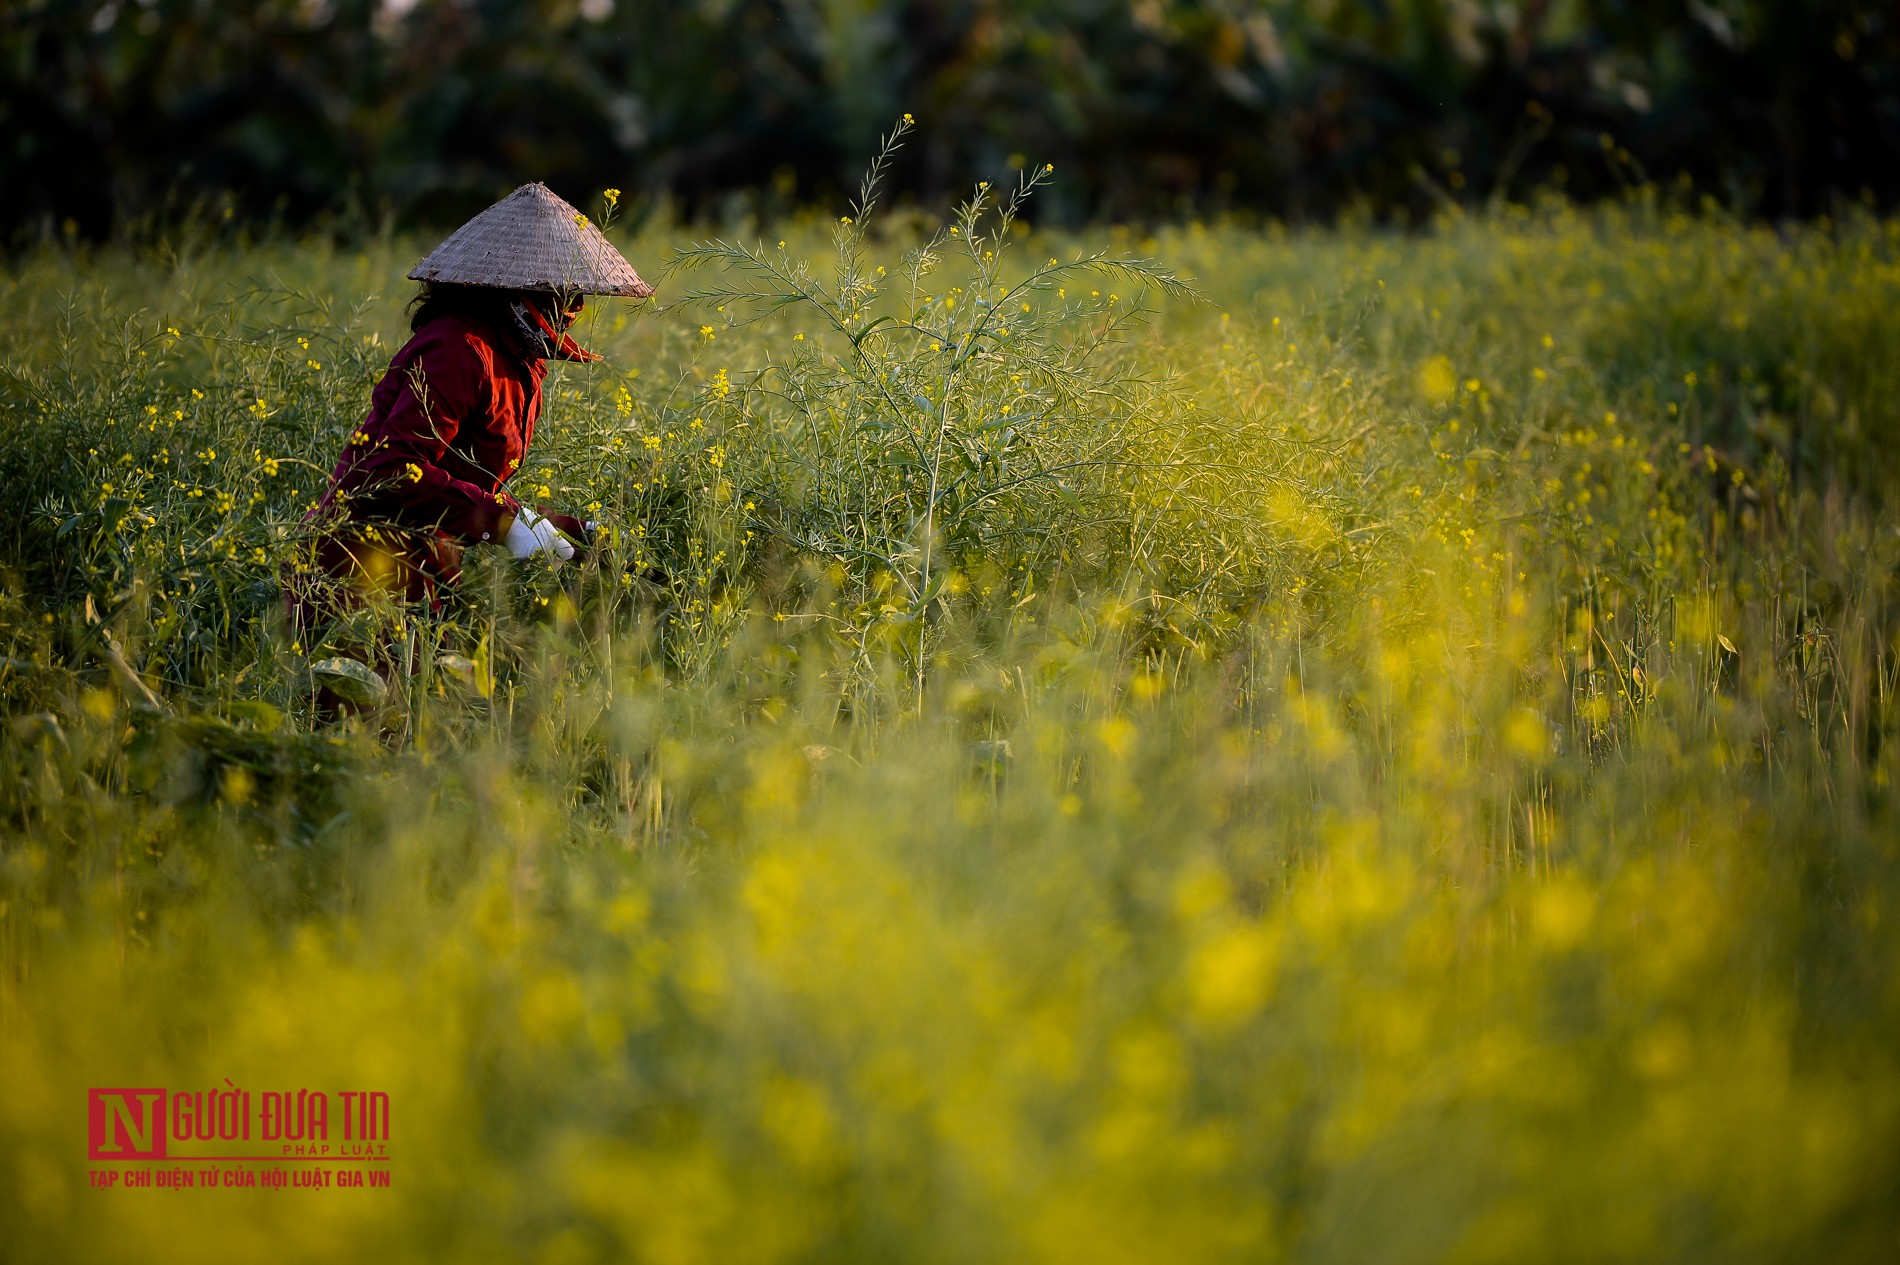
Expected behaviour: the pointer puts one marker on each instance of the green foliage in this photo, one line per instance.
(120, 115)
(1391, 758)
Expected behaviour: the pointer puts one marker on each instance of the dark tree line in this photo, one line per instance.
(113, 112)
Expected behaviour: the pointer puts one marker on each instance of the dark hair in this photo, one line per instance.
(436, 299)
(484, 303)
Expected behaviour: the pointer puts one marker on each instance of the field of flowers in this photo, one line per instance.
(1224, 745)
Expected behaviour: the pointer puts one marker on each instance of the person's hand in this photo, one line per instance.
(530, 534)
(579, 534)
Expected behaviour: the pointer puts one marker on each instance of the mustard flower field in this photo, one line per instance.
(1231, 744)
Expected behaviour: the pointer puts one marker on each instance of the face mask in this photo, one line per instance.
(542, 337)
(535, 329)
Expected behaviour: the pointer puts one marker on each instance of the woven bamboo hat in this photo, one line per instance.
(532, 240)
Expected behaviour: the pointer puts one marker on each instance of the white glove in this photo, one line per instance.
(531, 534)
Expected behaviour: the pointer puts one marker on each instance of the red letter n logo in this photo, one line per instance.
(125, 1124)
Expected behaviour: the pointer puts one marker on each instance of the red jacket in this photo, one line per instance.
(448, 426)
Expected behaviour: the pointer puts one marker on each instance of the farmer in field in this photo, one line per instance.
(425, 475)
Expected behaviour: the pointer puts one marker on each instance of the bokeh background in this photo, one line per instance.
(421, 111)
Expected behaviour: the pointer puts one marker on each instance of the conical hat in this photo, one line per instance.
(532, 240)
